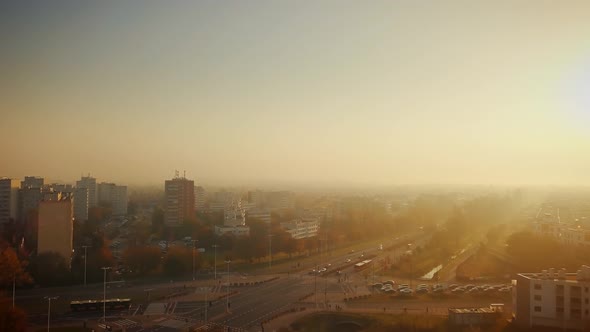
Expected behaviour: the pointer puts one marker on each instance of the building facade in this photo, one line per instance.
(81, 204)
(258, 214)
(301, 228)
(200, 197)
(55, 226)
(553, 298)
(8, 199)
(180, 201)
(113, 195)
(89, 183)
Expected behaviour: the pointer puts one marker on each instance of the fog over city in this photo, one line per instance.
(329, 92)
(295, 166)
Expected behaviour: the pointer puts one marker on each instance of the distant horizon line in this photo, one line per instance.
(316, 185)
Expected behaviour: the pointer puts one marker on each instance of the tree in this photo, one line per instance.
(12, 319)
(50, 269)
(12, 269)
(178, 262)
(142, 260)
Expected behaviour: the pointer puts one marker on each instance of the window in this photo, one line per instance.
(537, 286)
(537, 309)
(538, 297)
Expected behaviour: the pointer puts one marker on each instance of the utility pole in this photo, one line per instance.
(49, 298)
(215, 261)
(85, 256)
(104, 293)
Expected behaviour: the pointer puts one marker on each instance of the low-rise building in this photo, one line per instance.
(258, 214)
(301, 228)
(562, 232)
(239, 230)
(553, 298)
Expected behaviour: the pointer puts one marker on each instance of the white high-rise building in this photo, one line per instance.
(90, 184)
(8, 199)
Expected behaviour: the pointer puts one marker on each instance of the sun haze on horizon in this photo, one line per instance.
(372, 93)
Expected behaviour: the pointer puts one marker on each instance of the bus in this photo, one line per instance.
(91, 305)
(362, 265)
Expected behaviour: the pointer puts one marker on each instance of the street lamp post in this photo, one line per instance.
(206, 302)
(194, 258)
(227, 297)
(85, 256)
(13, 288)
(49, 298)
(215, 261)
(104, 293)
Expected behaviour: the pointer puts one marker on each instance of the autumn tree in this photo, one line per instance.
(179, 261)
(142, 260)
(50, 269)
(12, 270)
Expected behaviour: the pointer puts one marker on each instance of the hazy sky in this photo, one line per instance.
(247, 92)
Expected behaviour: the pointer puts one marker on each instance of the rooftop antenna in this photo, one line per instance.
(176, 175)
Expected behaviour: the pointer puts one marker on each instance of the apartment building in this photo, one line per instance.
(113, 195)
(8, 199)
(89, 183)
(301, 228)
(55, 225)
(180, 201)
(553, 298)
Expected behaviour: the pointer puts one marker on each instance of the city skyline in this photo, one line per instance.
(326, 93)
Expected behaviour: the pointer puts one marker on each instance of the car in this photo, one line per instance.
(389, 290)
(405, 291)
(377, 285)
(390, 282)
(323, 269)
(402, 286)
(422, 290)
(385, 287)
(348, 260)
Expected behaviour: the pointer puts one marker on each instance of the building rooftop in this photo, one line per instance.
(582, 275)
